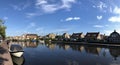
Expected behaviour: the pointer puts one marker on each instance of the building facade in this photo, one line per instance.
(29, 36)
(51, 35)
(114, 37)
(77, 36)
(93, 36)
(66, 36)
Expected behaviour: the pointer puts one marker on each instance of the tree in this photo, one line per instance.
(2, 29)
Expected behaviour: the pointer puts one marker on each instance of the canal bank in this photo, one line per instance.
(90, 44)
(5, 57)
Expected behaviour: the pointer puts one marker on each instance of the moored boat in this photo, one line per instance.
(16, 50)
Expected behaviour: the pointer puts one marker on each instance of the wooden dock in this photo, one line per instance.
(5, 57)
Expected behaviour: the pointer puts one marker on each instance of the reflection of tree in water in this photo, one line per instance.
(18, 60)
(115, 52)
(2, 51)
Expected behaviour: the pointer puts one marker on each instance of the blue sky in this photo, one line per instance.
(59, 16)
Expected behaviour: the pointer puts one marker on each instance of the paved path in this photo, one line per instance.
(5, 58)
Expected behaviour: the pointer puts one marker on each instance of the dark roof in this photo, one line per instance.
(76, 34)
(92, 34)
(114, 33)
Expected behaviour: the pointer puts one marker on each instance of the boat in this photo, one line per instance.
(16, 50)
(18, 60)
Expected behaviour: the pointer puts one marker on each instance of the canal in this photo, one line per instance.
(61, 54)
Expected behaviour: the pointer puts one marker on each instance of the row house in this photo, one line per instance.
(114, 37)
(77, 36)
(23, 37)
(93, 36)
(51, 35)
(66, 36)
(29, 36)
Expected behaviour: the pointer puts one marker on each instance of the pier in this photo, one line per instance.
(5, 57)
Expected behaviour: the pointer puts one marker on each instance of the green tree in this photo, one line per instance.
(2, 29)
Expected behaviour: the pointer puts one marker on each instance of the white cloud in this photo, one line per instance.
(62, 30)
(98, 26)
(40, 2)
(51, 8)
(31, 25)
(114, 19)
(20, 6)
(76, 18)
(116, 10)
(108, 32)
(5, 18)
(99, 17)
(29, 15)
(69, 19)
(67, 3)
(39, 29)
(102, 5)
(72, 18)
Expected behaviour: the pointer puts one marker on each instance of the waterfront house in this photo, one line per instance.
(59, 37)
(17, 37)
(29, 36)
(51, 36)
(76, 36)
(66, 36)
(93, 37)
(114, 37)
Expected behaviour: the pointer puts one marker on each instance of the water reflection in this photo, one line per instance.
(18, 60)
(26, 44)
(62, 54)
(115, 52)
(92, 50)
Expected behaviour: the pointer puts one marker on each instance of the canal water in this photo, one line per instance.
(61, 54)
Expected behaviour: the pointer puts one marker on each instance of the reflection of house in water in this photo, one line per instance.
(92, 50)
(66, 47)
(31, 44)
(51, 46)
(81, 48)
(26, 44)
(77, 47)
(72, 62)
(115, 52)
(63, 46)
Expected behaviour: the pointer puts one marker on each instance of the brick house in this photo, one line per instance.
(77, 36)
(93, 36)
